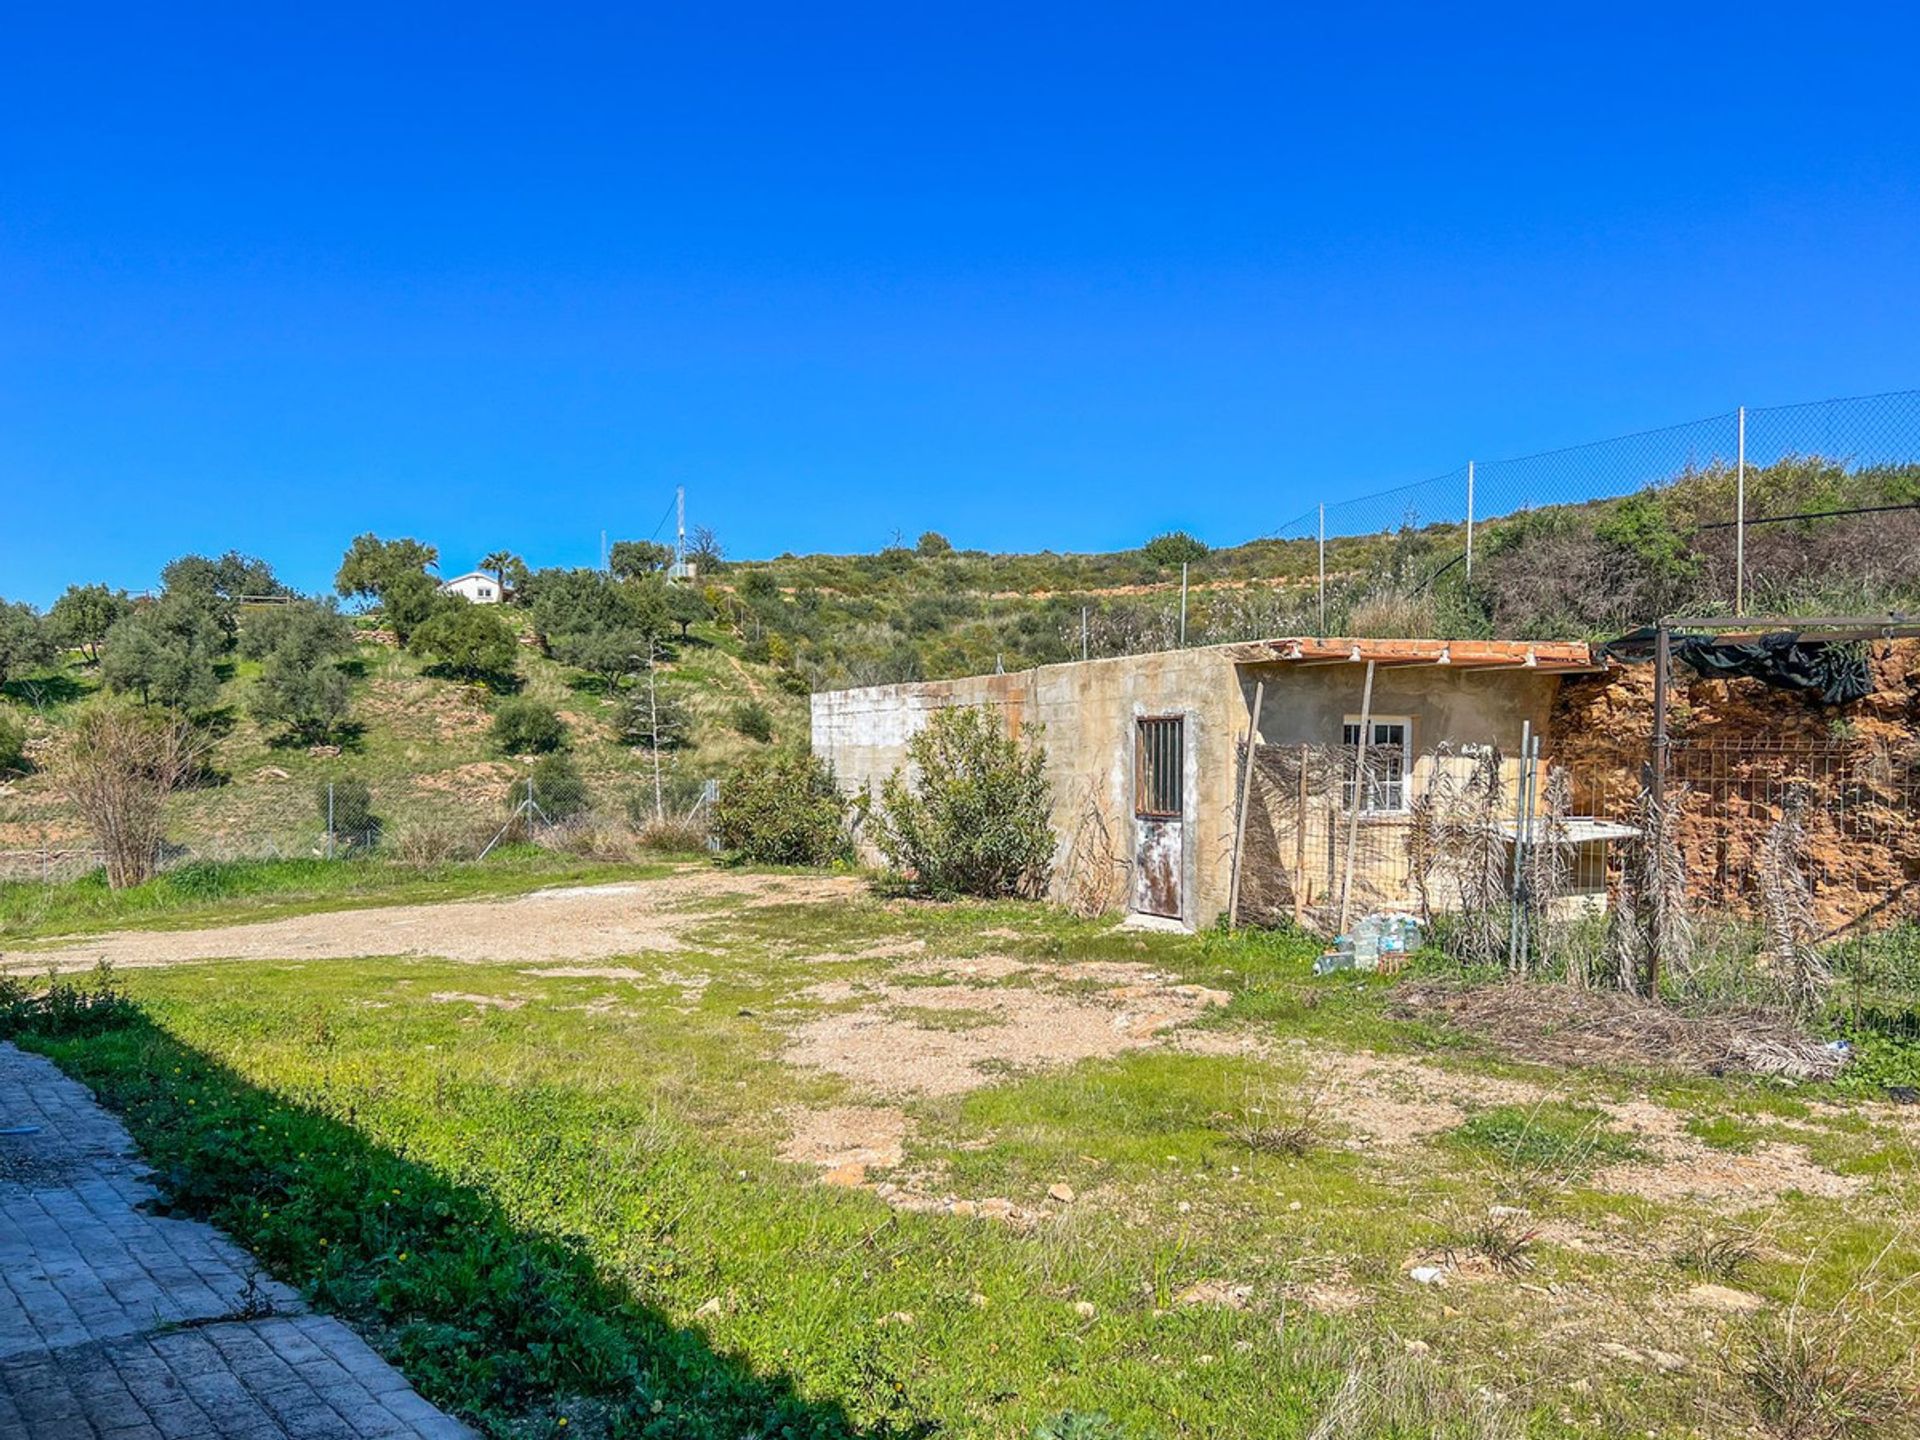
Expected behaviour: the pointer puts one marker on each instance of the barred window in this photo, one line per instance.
(1157, 766)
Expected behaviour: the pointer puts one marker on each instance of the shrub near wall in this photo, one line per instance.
(973, 815)
(782, 809)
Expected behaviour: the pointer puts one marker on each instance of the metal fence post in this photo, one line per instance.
(1740, 517)
(329, 819)
(1083, 632)
(1183, 603)
(1469, 519)
(1323, 569)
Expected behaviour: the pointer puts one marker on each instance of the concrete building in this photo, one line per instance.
(1143, 752)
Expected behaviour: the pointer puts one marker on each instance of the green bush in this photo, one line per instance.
(751, 719)
(350, 808)
(557, 788)
(525, 726)
(1176, 547)
(466, 640)
(971, 815)
(13, 743)
(782, 809)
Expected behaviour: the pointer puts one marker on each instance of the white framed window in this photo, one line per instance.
(1389, 762)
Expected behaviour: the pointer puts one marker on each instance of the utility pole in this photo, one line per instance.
(1656, 836)
(1183, 604)
(680, 532)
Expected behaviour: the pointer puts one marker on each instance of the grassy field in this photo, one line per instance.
(826, 1165)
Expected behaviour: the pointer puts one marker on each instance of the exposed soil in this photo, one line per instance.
(1682, 1166)
(567, 924)
(894, 1042)
(1390, 1102)
(1746, 740)
(847, 1138)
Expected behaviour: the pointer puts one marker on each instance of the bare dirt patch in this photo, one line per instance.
(480, 1002)
(1683, 1167)
(572, 923)
(869, 1137)
(888, 1047)
(1396, 1102)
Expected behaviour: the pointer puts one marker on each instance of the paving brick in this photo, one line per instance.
(92, 1284)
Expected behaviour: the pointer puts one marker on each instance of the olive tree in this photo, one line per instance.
(82, 616)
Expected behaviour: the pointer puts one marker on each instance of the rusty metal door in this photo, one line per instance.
(1159, 762)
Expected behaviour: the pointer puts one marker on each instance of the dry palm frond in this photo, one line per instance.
(1786, 902)
(1650, 918)
(1477, 847)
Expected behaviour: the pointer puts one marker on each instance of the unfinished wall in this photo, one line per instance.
(1740, 748)
(1086, 713)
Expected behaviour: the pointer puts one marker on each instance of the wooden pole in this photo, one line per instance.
(1359, 797)
(1300, 845)
(1246, 794)
(1657, 791)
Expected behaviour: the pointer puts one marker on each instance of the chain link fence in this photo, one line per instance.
(420, 820)
(1783, 507)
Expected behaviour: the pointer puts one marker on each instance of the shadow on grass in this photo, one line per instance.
(512, 1330)
(43, 691)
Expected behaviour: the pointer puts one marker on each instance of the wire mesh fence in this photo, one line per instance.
(1769, 860)
(1778, 506)
(419, 820)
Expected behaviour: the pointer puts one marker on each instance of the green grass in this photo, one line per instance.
(574, 1208)
(1552, 1139)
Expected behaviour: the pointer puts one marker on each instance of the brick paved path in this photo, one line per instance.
(120, 1325)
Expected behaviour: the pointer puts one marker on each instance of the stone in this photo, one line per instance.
(1084, 1309)
(1060, 1191)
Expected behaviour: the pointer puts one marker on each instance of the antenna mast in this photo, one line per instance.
(680, 531)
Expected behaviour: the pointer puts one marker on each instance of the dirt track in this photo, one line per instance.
(572, 923)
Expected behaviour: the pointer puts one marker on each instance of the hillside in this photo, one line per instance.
(1557, 572)
(420, 741)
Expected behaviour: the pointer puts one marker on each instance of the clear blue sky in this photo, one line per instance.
(1038, 277)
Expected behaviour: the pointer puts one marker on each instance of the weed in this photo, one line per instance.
(1280, 1128)
(64, 1006)
(1718, 1255)
(1503, 1237)
(1079, 1425)
(1806, 1384)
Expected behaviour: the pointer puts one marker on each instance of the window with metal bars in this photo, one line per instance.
(1156, 767)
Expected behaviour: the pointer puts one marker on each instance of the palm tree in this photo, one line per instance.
(499, 562)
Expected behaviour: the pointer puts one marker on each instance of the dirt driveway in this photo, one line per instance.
(583, 922)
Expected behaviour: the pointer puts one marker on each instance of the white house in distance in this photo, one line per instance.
(476, 585)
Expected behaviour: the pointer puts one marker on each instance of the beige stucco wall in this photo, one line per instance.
(1087, 712)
